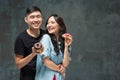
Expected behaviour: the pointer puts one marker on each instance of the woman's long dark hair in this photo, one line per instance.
(62, 30)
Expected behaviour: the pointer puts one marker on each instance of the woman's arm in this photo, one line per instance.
(65, 57)
(67, 42)
(50, 64)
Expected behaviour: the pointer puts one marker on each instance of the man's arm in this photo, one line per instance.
(23, 61)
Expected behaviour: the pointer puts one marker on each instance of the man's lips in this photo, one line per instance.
(36, 24)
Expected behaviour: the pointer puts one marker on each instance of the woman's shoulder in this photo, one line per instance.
(46, 37)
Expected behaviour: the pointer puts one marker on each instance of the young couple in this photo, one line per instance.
(51, 60)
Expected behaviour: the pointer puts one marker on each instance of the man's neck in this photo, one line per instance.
(33, 33)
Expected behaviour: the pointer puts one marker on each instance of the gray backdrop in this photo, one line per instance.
(94, 24)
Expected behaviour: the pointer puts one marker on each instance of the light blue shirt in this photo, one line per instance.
(42, 72)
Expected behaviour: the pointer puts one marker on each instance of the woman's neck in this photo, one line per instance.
(57, 36)
(33, 33)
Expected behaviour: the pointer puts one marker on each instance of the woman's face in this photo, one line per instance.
(52, 26)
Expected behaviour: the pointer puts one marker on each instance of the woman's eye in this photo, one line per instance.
(52, 22)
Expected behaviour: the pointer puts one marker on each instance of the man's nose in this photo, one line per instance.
(36, 19)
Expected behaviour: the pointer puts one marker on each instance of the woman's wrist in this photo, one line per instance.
(66, 46)
(61, 68)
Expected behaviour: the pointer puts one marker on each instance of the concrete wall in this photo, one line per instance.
(94, 24)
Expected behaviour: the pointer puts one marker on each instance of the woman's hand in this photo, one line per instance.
(62, 70)
(68, 39)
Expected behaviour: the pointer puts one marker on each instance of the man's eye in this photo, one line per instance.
(32, 17)
(38, 16)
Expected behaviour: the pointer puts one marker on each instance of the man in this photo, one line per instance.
(25, 54)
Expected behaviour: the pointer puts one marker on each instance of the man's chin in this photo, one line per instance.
(36, 27)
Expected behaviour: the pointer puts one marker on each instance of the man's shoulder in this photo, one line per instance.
(42, 31)
(22, 34)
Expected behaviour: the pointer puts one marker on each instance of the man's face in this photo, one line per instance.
(34, 20)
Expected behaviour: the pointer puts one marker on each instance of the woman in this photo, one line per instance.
(55, 56)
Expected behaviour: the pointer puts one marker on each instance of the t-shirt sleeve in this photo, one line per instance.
(19, 46)
(45, 41)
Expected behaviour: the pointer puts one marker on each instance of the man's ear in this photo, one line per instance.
(26, 19)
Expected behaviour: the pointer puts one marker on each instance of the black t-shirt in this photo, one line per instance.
(23, 46)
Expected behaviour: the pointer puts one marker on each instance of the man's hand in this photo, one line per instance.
(37, 48)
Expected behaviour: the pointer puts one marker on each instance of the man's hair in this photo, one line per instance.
(32, 9)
